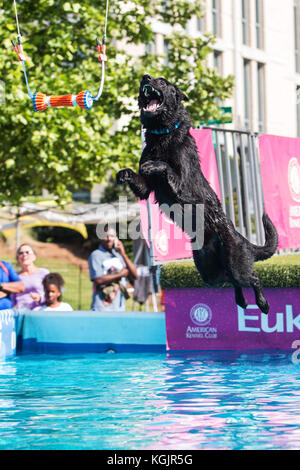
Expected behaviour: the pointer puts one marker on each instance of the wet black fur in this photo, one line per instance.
(170, 167)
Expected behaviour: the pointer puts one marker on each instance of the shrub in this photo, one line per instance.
(271, 274)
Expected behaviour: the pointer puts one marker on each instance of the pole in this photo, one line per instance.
(79, 287)
(18, 229)
(152, 260)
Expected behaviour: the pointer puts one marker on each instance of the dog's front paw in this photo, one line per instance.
(153, 168)
(125, 176)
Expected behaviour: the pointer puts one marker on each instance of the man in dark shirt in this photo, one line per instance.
(108, 265)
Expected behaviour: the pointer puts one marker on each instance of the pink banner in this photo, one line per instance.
(209, 319)
(280, 170)
(169, 242)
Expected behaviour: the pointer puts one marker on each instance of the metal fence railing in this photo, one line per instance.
(240, 180)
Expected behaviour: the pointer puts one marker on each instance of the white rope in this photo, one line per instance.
(106, 16)
(103, 64)
(17, 19)
(105, 25)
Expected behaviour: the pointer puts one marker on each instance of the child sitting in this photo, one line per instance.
(54, 286)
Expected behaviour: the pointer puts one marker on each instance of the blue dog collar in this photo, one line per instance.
(165, 131)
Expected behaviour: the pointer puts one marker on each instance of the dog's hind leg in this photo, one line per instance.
(239, 297)
(261, 301)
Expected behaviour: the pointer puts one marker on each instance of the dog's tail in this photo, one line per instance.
(271, 243)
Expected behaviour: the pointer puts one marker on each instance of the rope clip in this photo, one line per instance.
(19, 50)
(101, 48)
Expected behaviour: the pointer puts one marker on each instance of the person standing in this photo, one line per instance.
(10, 283)
(110, 268)
(33, 297)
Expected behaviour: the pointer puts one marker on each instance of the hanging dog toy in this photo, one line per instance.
(83, 99)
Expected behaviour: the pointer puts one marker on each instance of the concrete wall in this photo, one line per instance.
(277, 54)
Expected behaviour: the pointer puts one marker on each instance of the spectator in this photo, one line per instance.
(10, 283)
(32, 276)
(109, 268)
(54, 286)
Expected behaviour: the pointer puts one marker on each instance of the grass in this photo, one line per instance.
(282, 259)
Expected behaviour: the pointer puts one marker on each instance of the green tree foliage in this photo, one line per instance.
(65, 147)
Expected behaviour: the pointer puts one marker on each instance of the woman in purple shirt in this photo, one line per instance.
(33, 297)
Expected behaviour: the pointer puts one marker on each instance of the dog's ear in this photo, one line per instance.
(181, 96)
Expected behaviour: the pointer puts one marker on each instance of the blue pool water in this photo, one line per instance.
(150, 401)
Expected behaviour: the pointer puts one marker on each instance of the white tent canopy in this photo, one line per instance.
(72, 215)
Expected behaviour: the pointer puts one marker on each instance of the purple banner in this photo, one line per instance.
(209, 319)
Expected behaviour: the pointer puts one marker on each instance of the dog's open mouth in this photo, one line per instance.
(152, 98)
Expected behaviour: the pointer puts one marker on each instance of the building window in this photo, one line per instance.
(298, 109)
(150, 48)
(296, 35)
(166, 52)
(259, 24)
(261, 96)
(200, 23)
(247, 93)
(245, 22)
(218, 61)
(166, 5)
(216, 17)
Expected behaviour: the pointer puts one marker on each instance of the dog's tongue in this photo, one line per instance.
(152, 106)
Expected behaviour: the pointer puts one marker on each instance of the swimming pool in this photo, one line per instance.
(150, 401)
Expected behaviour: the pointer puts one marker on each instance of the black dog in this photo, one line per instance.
(170, 167)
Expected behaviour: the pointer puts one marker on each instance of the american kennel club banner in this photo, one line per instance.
(209, 319)
(280, 170)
